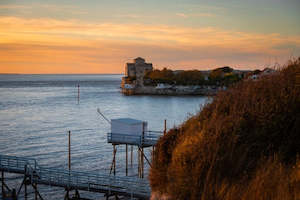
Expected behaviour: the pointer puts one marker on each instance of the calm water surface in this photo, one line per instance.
(37, 111)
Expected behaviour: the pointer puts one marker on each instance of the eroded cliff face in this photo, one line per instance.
(245, 144)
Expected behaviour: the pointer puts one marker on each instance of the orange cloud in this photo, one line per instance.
(71, 46)
(183, 15)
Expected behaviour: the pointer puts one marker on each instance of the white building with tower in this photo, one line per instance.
(138, 68)
(135, 71)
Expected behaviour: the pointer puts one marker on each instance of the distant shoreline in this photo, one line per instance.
(174, 91)
(54, 74)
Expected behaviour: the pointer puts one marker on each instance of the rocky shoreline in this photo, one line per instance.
(173, 91)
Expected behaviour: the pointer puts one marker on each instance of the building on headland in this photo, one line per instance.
(134, 73)
(138, 68)
(207, 82)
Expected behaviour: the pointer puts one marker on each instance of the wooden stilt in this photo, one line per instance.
(113, 163)
(114, 159)
(139, 170)
(143, 155)
(36, 192)
(4, 186)
(77, 195)
(142, 161)
(14, 194)
(2, 183)
(140, 167)
(66, 195)
(23, 183)
(25, 190)
(126, 160)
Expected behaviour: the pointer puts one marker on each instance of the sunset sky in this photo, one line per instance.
(100, 36)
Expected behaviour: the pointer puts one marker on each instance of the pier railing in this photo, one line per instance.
(127, 186)
(15, 163)
(149, 138)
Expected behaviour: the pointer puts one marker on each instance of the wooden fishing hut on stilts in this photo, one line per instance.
(133, 132)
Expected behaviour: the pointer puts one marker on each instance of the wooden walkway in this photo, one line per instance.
(75, 180)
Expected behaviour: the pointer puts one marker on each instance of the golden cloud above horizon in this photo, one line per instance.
(73, 46)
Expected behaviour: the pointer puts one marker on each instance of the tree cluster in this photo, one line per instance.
(219, 77)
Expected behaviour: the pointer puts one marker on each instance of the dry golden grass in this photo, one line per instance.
(243, 145)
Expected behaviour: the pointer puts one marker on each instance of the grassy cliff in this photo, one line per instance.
(243, 145)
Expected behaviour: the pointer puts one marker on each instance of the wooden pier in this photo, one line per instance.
(70, 180)
(33, 175)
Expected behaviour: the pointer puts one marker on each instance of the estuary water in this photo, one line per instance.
(37, 111)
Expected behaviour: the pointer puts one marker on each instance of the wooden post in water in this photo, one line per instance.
(69, 163)
(25, 182)
(142, 152)
(78, 94)
(131, 156)
(126, 160)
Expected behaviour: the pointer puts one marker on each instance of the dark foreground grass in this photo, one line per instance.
(243, 145)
